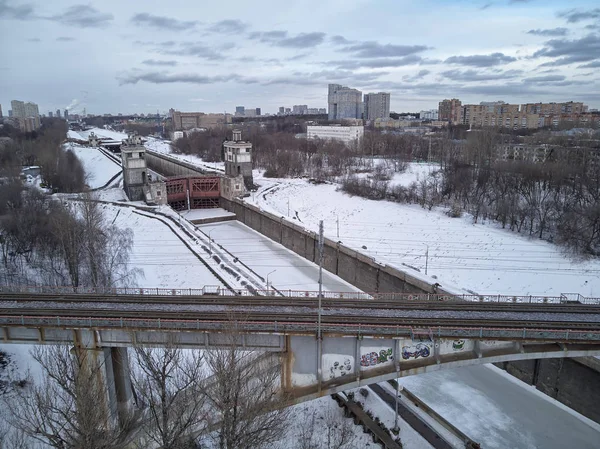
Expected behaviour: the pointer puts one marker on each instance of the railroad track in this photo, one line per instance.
(294, 302)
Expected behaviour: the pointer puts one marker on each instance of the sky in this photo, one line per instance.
(146, 56)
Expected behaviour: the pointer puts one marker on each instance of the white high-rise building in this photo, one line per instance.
(377, 106)
(344, 102)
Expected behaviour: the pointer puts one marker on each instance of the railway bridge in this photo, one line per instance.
(343, 340)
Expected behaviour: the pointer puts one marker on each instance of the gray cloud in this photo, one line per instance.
(481, 60)
(297, 57)
(545, 79)
(486, 6)
(165, 78)
(19, 12)
(83, 16)
(164, 44)
(194, 49)
(228, 27)
(590, 65)
(376, 63)
(372, 49)
(549, 32)
(474, 75)
(65, 39)
(579, 15)
(584, 49)
(156, 62)
(162, 22)
(280, 39)
(418, 76)
(34, 39)
(340, 40)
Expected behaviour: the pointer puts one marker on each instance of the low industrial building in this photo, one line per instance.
(346, 134)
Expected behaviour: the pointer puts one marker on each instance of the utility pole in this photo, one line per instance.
(396, 427)
(319, 339)
(426, 258)
(338, 226)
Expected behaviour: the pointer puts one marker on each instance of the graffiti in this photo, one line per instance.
(457, 345)
(376, 358)
(420, 350)
(336, 365)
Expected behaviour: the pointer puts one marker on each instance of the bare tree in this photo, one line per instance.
(243, 394)
(68, 406)
(337, 433)
(168, 383)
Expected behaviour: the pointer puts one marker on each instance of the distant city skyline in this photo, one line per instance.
(142, 57)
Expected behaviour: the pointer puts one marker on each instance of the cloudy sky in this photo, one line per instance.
(143, 56)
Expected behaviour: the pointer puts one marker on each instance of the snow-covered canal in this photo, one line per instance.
(499, 411)
(286, 270)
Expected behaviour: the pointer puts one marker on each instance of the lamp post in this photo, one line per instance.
(210, 240)
(268, 291)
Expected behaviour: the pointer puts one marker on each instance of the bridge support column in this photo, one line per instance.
(110, 372)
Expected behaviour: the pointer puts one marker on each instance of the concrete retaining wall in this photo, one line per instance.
(354, 267)
(169, 166)
(575, 384)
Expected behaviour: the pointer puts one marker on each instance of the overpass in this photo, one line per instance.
(364, 338)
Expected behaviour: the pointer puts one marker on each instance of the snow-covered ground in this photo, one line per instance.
(164, 146)
(499, 411)
(459, 254)
(164, 259)
(98, 168)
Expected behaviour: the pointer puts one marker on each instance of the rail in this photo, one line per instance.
(298, 327)
(564, 298)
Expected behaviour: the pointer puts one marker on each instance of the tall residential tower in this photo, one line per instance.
(344, 102)
(377, 106)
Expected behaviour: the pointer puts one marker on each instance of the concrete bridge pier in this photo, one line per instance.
(109, 369)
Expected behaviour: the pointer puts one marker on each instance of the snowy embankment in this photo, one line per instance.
(164, 146)
(455, 252)
(99, 169)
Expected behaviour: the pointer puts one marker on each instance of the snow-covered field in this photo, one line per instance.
(459, 254)
(98, 168)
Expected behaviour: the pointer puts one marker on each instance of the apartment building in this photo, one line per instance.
(344, 102)
(377, 105)
(184, 121)
(27, 114)
(450, 111)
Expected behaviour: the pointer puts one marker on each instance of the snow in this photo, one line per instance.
(74, 135)
(286, 270)
(460, 255)
(165, 260)
(416, 171)
(501, 413)
(323, 409)
(98, 167)
(409, 437)
(164, 146)
(202, 214)
(101, 132)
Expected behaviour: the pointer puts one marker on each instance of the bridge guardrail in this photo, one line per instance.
(360, 330)
(563, 298)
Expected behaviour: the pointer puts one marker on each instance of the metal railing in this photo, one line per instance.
(299, 327)
(564, 298)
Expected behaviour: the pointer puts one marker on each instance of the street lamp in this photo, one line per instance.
(210, 240)
(268, 280)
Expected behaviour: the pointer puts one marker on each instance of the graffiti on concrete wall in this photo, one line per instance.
(376, 356)
(458, 345)
(416, 351)
(336, 365)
